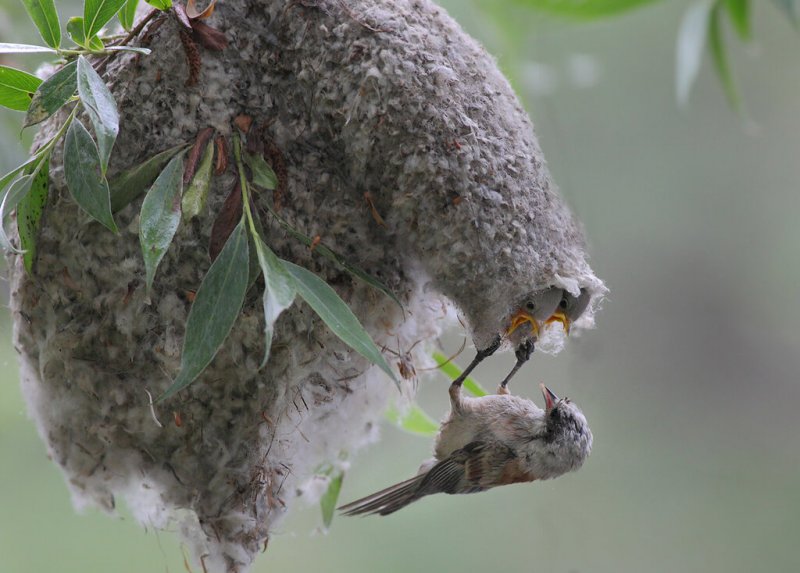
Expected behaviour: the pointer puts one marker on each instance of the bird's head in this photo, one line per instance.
(530, 314)
(566, 426)
(570, 308)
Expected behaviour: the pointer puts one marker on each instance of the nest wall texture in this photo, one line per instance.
(389, 98)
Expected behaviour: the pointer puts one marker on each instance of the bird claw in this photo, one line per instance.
(524, 351)
(523, 354)
(479, 357)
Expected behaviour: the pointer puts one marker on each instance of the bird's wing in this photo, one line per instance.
(476, 467)
(448, 475)
(385, 501)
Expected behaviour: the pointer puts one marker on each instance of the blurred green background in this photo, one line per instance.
(690, 381)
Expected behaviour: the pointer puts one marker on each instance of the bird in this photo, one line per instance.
(570, 308)
(566, 311)
(534, 310)
(491, 441)
(523, 327)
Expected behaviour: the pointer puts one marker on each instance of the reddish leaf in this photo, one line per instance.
(209, 37)
(243, 122)
(226, 221)
(222, 155)
(193, 159)
(275, 159)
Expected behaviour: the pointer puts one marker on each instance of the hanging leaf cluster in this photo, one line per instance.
(177, 184)
(243, 256)
(75, 83)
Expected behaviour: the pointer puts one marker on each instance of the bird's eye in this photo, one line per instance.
(563, 303)
(530, 305)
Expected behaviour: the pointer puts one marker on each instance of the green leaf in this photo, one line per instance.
(134, 49)
(340, 261)
(337, 315)
(132, 182)
(44, 15)
(16, 192)
(19, 189)
(415, 421)
(279, 291)
(452, 371)
(691, 43)
(720, 58)
(17, 88)
(214, 311)
(360, 274)
(102, 109)
(6, 48)
(85, 181)
(739, 11)
(194, 199)
(263, 175)
(96, 13)
(327, 502)
(160, 216)
(163, 5)
(53, 93)
(584, 9)
(127, 15)
(255, 265)
(11, 175)
(76, 32)
(29, 212)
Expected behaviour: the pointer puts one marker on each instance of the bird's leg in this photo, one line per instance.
(523, 354)
(482, 355)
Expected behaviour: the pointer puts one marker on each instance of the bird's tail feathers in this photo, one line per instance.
(387, 500)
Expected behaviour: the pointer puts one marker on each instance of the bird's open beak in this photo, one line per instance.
(521, 317)
(559, 316)
(550, 398)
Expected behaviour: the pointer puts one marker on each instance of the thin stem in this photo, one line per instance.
(139, 27)
(131, 35)
(237, 155)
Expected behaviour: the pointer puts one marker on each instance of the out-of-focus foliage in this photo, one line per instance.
(701, 29)
(583, 9)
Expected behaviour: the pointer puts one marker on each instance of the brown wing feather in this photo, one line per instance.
(476, 467)
(386, 500)
(496, 464)
(514, 472)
